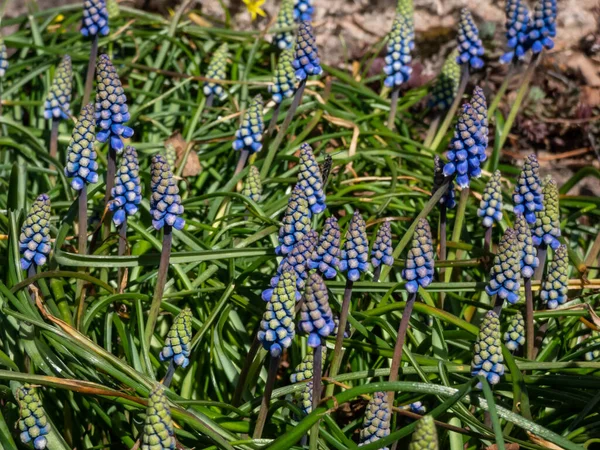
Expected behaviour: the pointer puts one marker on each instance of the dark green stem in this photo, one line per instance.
(317, 385)
(266, 401)
(169, 376)
(464, 79)
(163, 270)
(122, 247)
(336, 360)
(82, 248)
(89, 79)
(111, 170)
(400, 338)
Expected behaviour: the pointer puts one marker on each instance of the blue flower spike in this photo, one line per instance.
(297, 261)
(111, 106)
(284, 78)
(555, 286)
(177, 344)
(547, 221)
(114, 12)
(376, 424)
(95, 18)
(165, 203)
(305, 371)
(505, 274)
(397, 67)
(316, 318)
(277, 325)
(517, 27)
(217, 71)
(528, 252)
(310, 180)
(542, 27)
(127, 192)
(487, 353)
(355, 253)
(325, 257)
(415, 408)
(425, 435)
(295, 222)
(3, 58)
(528, 196)
(306, 61)
(382, 250)
(490, 206)
(249, 136)
(252, 184)
(58, 101)
(479, 104)
(33, 424)
(284, 39)
(158, 425)
(81, 165)
(514, 337)
(445, 86)
(470, 48)
(449, 198)
(303, 10)
(419, 260)
(34, 240)
(467, 148)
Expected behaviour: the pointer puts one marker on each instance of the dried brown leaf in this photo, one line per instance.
(506, 446)
(543, 442)
(192, 164)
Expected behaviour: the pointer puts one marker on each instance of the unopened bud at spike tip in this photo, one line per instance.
(419, 265)
(555, 286)
(81, 164)
(490, 206)
(58, 100)
(34, 240)
(165, 202)
(355, 252)
(487, 353)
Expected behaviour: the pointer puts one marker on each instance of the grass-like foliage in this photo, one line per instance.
(158, 295)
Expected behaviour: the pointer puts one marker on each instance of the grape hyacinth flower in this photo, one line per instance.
(249, 136)
(177, 344)
(111, 106)
(449, 198)
(165, 203)
(355, 253)
(528, 253)
(325, 256)
(515, 334)
(285, 19)
(382, 250)
(490, 206)
(33, 424)
(158, 425)
(3, 58)
(397, 67)
(517, 27)
(303, 10)
(58, 100)
(113, 9)
(295, 222)
(306, 58)
(305, 370)
(594, 354)
(336, 320)
(170, 154)
(284, 78)
(505, 274)
(296, 260)
(310, 181)
(470, 48)
(425, 435)
(126, 195)
(415, 408)
(95, 18)
(479, 104)
(217, 71)
(555, 286)
(81, 165)
(419, 261)
(376, 424)
(542, 27)
(467, 148)
(547, 224)
(487, 353)
(316, 318)
(445, 86)
(528, 196)
(277, 325)
(34, 240)
(252, 185)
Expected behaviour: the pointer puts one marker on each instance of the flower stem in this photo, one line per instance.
(431, 131)
(82, 249)
(377, 273)
(264, 406)
(542, 252)
(393, 108)
(111, 170)
(317, 384)
(514, 109)
(163, 270)
(498, 304)
(336, 360)
(273, 122)
(487, 240)
(286, 123)
(122, 246)
(241, 162)
(443, 251)
(169, 376)
(464, 79)
(54, 139)
(239, 389)
(89, 79)
(501, 91)
(529, 329)
(400, 338)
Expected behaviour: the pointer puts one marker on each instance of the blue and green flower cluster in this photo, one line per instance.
(355, 253)
(517, 28)
(249, 136)
(505, 275)
(81, 165)
(165, 203)
(316, 318)
(528, 196)
(490, 206)
(295, 222)
(217, 72)
(284, 78)
(127, 192)
(34, 240)
(252, 184)
(419, 261)
(303, 10)
(382, 250)
(555, 286)
(306, 59)
(425, 435)
(3, 58)
(515, 334)
(542, 26)
(58, 100)
(445, 86)
(470, 48)
(33, 424)
(376, 424)
(158, 425)
(177, 344)
(528, 252)
(325, 257)
(547, 220)
(284, 39)
(95, 18)
(310, 181)
(487, 354)
(397, 67)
